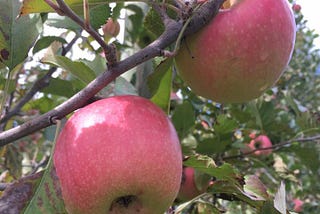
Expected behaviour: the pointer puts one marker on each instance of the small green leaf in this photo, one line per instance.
(44, 104)
(60, 87)
(77, 69)
(154, 80)
(40, 6)
(122, 86)
(188, 145)
(201, 180)
(225, 125)
(309, 156)
(54, 20)
(136, 19)
(255, 188)
(207, 165)
(183, 118)
(99, 14)
(211, 146)
(16, 35)
(11, 84)
(98, 64)
(268, 208)
(45, 42)
(159, 83)
(153, 22)
(47, 198)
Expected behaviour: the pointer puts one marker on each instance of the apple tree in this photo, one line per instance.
(254, 149)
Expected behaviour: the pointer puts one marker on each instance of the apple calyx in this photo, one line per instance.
(261, 142)
(125, 203)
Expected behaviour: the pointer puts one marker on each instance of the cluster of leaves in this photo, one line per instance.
(212, 135)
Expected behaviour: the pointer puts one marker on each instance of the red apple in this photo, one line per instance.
(189, 188)
(118, 155)
(241, 52)
(262, 141)
(298, 204)
(296, 8)
(252, 135)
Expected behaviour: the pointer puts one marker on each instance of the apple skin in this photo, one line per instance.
(242, 52)
(189, 189)
(262, 141)
(298, 205)
(118, 155)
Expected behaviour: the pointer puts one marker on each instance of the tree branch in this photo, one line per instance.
(109, 50)
(199, 19)
(274, 147)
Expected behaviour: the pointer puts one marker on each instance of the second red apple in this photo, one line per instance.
(241, 52)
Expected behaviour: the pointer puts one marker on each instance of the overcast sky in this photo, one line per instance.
(310, 10)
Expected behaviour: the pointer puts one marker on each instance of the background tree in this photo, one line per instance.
(52, 65)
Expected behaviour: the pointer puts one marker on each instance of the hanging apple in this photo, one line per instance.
(118, 155)
(241, 53)
(262, 141)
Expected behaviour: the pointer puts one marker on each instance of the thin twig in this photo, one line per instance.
(274, 147)
(107, 49)
(86, 14)
(54, 6)
(44, 161)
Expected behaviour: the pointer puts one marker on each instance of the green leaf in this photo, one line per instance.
(77, 69)
(159, 83)
(183, 118)
(136, 19)
(188, 145)
(43, 104)
(60, 87)
(267, 114)
(153, 22)
(11, 84)
(47, 197)
(254, 187)
(211, 146)
(99, 14)
(201, 180)
(309, 156)
(98, 64)
(40, 6)
(255, 111)
(16, 35)
(268, 208)
(207, 165)
(122, 87)
(45, 42)
(225, 125)
(38, 193)
(54, 20)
